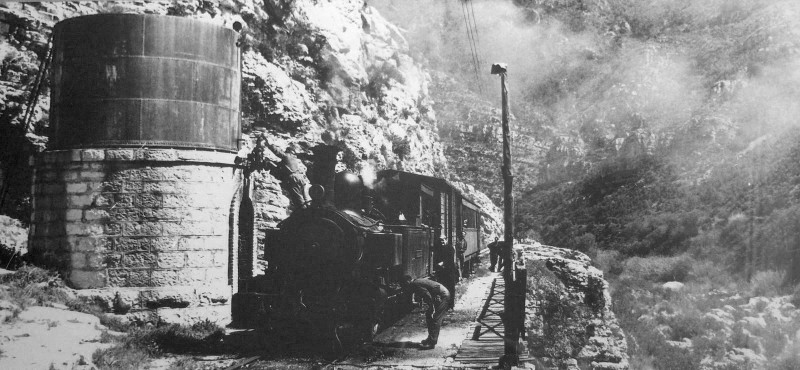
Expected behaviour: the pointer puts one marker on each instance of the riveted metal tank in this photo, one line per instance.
(144, 80)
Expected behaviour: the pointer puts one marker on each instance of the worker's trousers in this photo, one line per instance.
(434, 316)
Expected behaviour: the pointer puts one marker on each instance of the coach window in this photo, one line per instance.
(427, 207)
(470, 218)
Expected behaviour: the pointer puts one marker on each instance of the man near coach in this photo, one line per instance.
(496, 254)
(448, 274)
(437, 297)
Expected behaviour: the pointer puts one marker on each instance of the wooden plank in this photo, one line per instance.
(486, 343)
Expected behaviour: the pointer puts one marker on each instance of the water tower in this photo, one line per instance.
(136, 196)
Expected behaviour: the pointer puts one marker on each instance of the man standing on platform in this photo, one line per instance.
(437, 298)
(448, 274)
(496, 254)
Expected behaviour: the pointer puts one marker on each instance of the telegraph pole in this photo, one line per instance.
(511, 356)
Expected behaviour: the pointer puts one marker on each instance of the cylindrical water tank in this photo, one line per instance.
(144, 81)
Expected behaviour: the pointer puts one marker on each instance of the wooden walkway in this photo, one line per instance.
(485, 344)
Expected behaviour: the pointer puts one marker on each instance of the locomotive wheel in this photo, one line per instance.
(372, 312)
(374, 324)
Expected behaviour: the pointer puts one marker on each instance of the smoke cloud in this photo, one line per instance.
(729, 69)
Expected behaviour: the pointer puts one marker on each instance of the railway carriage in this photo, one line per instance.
(435, 203)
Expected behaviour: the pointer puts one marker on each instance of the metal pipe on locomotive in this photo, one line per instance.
(334, 267)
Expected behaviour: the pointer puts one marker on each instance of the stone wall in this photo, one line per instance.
(150, 224)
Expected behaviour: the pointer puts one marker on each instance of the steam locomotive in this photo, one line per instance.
(334, 267)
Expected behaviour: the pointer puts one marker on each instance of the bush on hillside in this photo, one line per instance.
(31, 285)
(659, 268)
(610, 262)
(789, 359)
(796, 296)
(766, 283)
(10, 258)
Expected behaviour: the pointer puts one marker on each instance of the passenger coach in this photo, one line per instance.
(405, 197)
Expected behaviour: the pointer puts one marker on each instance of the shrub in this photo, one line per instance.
(766, 283)
(125, 356)
(686, 324)
(110, 321)
(28, 275)
(10, 258)
(202, 336)
(33, 285)
(585, 243)
(609, 261)
(136, 349)
(789, 359)
(646, 345)
(705, 272)
(796, 296)
(659, 269)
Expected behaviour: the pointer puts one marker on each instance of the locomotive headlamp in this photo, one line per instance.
(316, 192)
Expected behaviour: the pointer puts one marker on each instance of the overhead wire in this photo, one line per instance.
(473, 47)
(468, 28)
(475, 29)
(477, 44)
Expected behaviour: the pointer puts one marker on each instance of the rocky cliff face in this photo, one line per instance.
(341, 76)
(471, 132)
(570, 322)
(313, 72)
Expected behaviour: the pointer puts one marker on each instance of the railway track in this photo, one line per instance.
(398, 344)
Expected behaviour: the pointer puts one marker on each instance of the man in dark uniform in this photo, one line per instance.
(496, 254)
(461, 248)
(448, 274)
(437, 298)
(288, 170)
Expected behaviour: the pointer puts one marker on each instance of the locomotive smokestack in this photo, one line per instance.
(324, 172)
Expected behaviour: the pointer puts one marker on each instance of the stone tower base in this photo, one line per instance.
(138, 229)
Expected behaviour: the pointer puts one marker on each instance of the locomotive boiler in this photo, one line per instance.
(334, 267)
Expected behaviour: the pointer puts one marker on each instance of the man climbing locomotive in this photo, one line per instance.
(289, 170)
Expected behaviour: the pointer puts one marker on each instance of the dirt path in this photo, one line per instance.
(44, 337)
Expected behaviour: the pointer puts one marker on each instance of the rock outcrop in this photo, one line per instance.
(343, 77)
(570, 322)
(13, 235)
